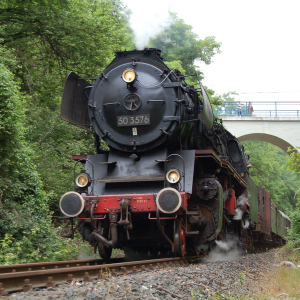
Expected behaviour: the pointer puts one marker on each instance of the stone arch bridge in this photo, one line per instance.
(283, 132)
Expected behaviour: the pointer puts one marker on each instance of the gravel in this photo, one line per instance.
(191, 281)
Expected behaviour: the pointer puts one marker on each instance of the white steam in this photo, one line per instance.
(83, 255)
(147, 21)
(225, 250)
(241, 207)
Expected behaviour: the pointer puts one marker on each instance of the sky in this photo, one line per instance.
(260, 51)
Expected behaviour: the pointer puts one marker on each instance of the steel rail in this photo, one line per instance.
(67, 273)
(47, 265)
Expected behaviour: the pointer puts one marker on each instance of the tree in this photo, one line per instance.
(180, 44)
(269, 168)
(293, 164)
(41, 41)
(229, 104)
(23, 203)
(49, 39)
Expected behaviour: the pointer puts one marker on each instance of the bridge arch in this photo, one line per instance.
(263, 137)
(280, 131)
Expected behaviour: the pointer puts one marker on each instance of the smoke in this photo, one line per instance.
(83, 255)
(147, 21)
(225, 250)
(241, 207)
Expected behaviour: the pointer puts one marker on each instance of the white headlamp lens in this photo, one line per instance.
(173, 176)
(82, 180)
(128, 75)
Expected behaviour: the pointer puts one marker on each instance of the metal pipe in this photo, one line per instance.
(113, 231)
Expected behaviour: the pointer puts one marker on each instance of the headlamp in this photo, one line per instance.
(82, 180)
(128, 75)
(168, 200)
(173, 176)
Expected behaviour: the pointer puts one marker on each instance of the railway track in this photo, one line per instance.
(36, 275)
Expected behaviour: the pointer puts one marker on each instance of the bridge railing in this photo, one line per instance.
(260, 109)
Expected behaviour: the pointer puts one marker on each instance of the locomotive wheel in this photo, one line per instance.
(179, 238)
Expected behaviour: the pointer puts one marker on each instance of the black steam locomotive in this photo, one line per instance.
(174, 180)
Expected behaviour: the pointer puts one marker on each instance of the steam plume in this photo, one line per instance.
(225, 250)
(241, 206)
(147, 21)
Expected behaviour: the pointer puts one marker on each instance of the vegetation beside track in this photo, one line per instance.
(40, 42)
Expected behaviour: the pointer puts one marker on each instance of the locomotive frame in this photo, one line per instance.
(175, 180)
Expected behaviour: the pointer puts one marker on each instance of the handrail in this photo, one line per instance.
(261, 109)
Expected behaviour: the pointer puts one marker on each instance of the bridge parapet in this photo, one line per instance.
(279, 131)
(260, 109)
(260, 119)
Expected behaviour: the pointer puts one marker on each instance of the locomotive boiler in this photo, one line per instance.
(174, 180)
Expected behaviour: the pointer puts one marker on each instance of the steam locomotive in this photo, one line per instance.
(174, 180)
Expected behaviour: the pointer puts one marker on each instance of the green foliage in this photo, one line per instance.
(175, 64)
(201, 293)
(241, 279)
(29, 248)
(294, 160)
(293, 164)
(178, 42)
(268, 167)
(40, 244)
(40, 42)
(20, 181)
(229, 97)
(24, 217)
(50, 38)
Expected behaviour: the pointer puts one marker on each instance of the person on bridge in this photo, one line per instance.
(239, 109)
(250, 109)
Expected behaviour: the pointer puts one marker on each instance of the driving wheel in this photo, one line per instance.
(179, 238)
